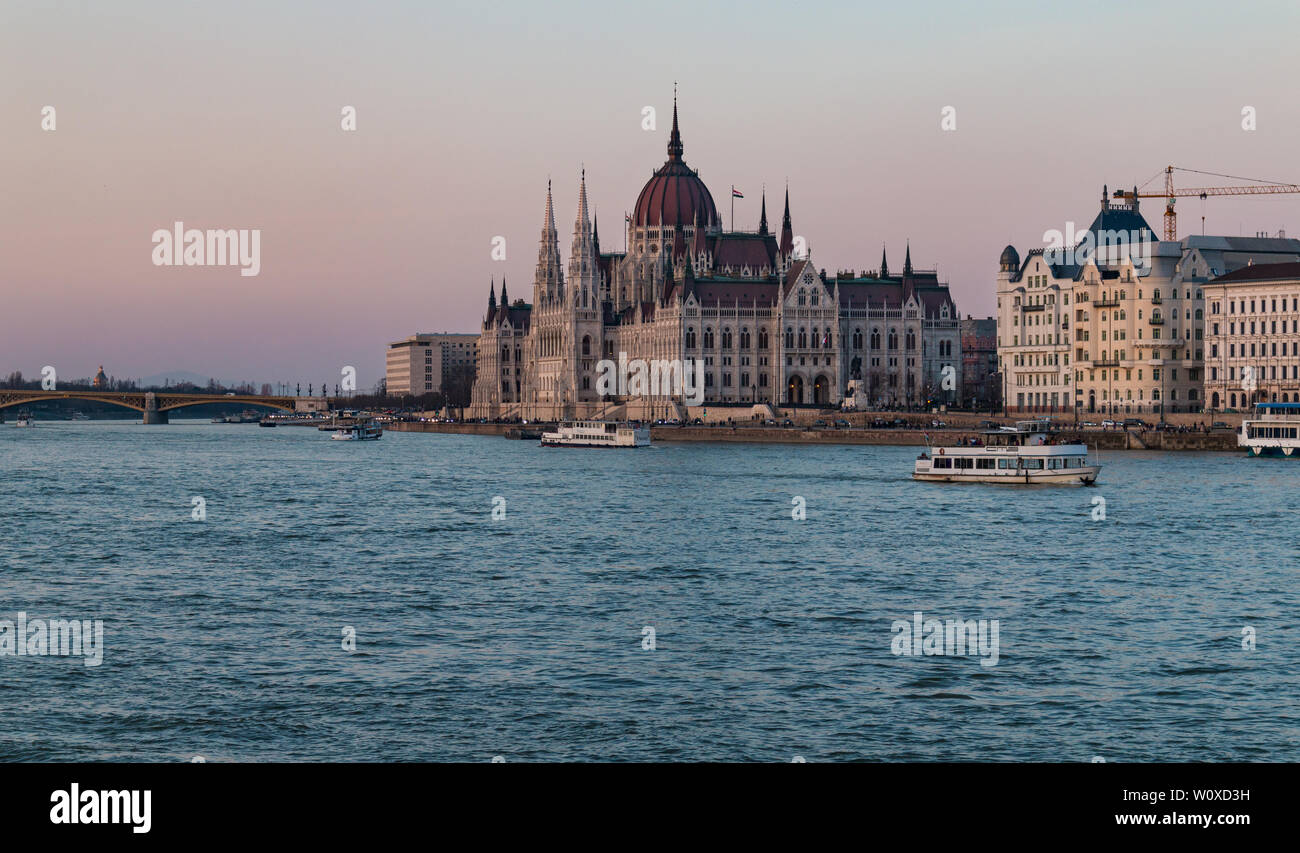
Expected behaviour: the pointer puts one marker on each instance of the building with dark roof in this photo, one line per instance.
(1253, 336)
(1115, 324)
(767, 325)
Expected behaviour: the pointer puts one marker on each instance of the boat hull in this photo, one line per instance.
(605, 446)
(1084, 476)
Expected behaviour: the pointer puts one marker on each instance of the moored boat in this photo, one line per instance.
(597, 434)
(1273, 431)
(1029, 453)
(359, 431)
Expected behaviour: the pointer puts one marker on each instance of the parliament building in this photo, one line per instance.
(768, 326)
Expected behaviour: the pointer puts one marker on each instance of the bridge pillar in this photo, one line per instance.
(151, 413)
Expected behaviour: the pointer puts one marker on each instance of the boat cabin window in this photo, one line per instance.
(943, 462)
(985, 463)
(1033, 464)
(1004, 463)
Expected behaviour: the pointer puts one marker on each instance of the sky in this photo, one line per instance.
(229, 116)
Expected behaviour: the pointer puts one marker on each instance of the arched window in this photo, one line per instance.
(803, 338)
(762, 338)
(789, 338)
(505, 353)
(726, 338)
(911, 339)
(744, 338)
(586, 344)
(708, 337)
(875, 339)
(893, 339)
(857, 339)
(690, 338)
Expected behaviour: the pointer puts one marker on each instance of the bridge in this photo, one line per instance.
(154, 406)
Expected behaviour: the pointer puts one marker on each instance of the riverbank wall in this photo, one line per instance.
(1102, 439)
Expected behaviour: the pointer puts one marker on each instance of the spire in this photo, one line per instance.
(548, 224)
(884, 262)
(582, 253)
(595, 234)
(907, 261)
(762, 218)
(675, 140)
(583, 221)
(505, 300)
(787, 232)
(548, 280)
(492, 294)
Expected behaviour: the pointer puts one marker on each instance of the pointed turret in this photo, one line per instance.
(884, 262)
(675, 140)
(548, 281)
(787, 232)
(595, 234)
(492, 294)
(762, 217)
(548, 222)
(582, 253)
(907, 261)
(505, 300)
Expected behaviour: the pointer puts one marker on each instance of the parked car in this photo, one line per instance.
(1219, 425)
(819, 423)
(841, 424)
(1088, 425)
(1109, 424)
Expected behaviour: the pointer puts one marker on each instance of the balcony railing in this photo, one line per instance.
(1033, 307)
(1106, 362)
(1157, 321)
(1109, 302)
(1156, 300)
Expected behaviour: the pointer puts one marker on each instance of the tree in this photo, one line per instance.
(459, 385)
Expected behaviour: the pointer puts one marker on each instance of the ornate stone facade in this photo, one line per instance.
(768, 326)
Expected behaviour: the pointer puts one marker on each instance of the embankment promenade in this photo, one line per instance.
(1219, 440)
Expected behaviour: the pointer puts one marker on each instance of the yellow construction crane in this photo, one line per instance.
(1261, 187)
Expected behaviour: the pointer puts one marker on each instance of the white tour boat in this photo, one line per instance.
(597, 434)
(359, 431)
(1273, 431)
(1028, 453)
(24, 419)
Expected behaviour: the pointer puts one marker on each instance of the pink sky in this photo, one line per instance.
(227, 116)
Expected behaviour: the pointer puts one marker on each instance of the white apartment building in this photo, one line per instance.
(1118, 329)
(421, 363)
(1253, 337)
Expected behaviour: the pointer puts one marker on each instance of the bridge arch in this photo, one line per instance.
(137, 400)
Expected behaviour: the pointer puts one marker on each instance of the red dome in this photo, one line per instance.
(675, 195)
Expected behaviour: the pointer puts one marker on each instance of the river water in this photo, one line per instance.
(524, 636)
